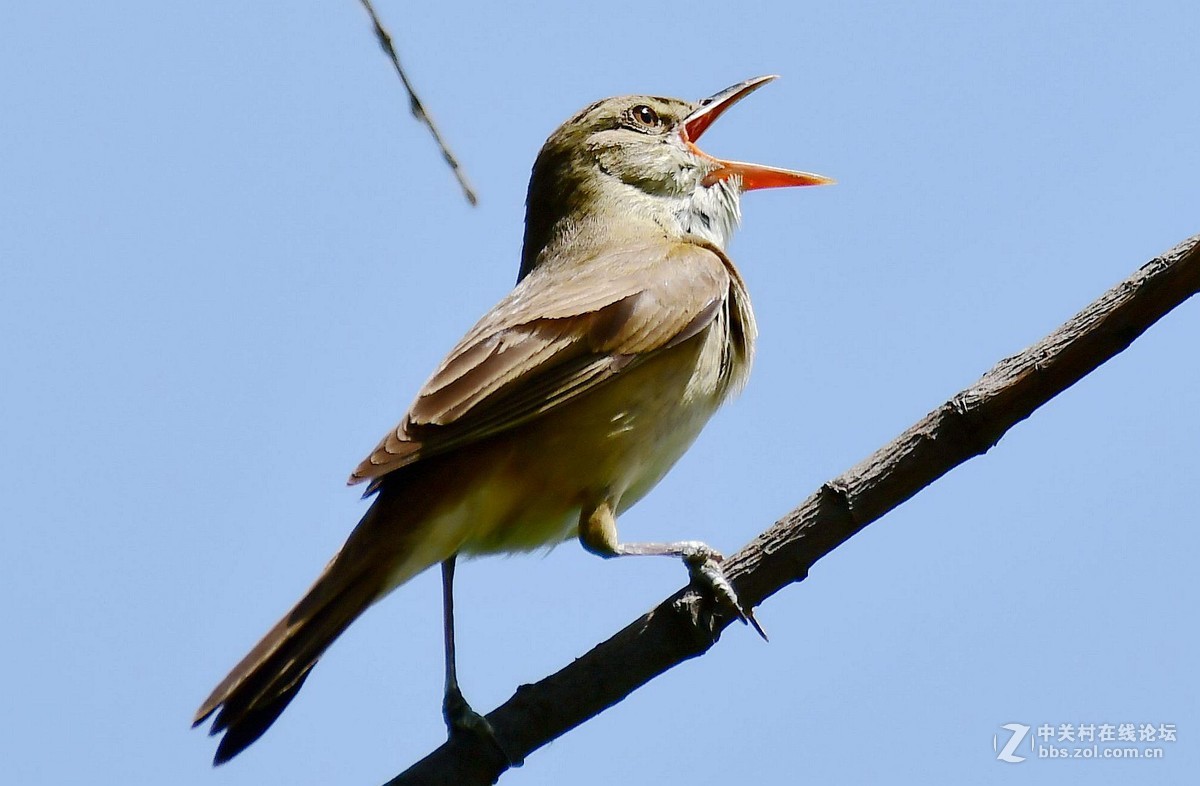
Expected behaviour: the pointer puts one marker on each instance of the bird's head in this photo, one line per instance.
(632, 161)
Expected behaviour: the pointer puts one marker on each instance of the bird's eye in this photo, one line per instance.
(646, 116)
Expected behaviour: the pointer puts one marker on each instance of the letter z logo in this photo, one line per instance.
(1019, 730)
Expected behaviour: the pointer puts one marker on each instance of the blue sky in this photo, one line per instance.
(228, 257)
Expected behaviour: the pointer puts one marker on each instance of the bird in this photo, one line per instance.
(629, 325)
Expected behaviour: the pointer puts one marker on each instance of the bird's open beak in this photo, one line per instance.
(752, 175)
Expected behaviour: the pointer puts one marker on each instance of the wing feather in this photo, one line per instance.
(557, 335)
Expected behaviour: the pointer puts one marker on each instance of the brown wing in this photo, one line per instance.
(557, 335)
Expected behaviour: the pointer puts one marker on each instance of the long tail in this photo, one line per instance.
(260, 687)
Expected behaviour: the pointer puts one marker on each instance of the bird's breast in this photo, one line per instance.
(614, 444)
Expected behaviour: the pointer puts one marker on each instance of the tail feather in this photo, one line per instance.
(399, 537)
(253, 722)
(261, 686)
(375, 558)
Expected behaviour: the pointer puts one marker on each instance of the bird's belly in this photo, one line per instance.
(614, 443)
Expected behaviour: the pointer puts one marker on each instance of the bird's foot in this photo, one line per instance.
(462, 719)
(704, 564)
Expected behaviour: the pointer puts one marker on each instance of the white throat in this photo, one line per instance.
(713, 213)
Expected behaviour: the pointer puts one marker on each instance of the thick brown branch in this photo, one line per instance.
(969, 424)
(418, 108)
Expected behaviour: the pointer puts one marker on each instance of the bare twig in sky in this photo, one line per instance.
(685, 625)
(418, 108)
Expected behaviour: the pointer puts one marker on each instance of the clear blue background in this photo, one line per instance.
(229, 256)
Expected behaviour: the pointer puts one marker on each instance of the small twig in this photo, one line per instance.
(418, 108)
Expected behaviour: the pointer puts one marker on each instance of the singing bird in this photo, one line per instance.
(565, 404)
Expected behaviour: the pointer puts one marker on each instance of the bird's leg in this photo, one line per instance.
(598, 534)
(456, 711)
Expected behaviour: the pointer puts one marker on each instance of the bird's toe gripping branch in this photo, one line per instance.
(461, 719)
(598, 534)
(704, 564)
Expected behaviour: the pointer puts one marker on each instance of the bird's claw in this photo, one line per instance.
(704, 564)
(462, 719)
